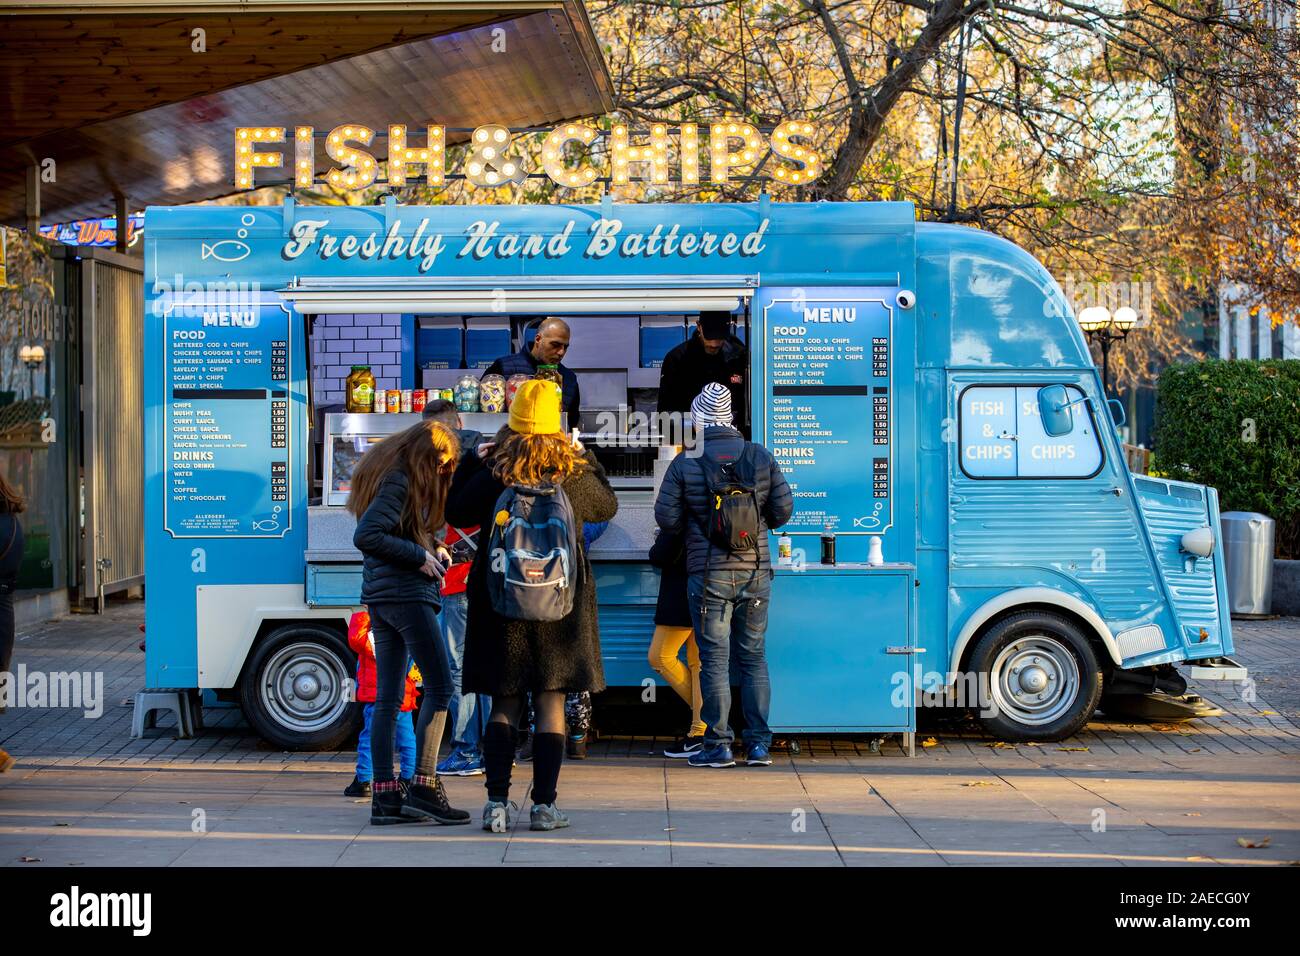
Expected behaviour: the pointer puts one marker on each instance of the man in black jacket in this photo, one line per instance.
(711, 354)
(548, 348)
(728, 590)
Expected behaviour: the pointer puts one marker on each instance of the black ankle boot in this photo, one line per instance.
(430, 803)
(386, 807)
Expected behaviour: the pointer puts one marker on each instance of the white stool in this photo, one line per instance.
(149, 702)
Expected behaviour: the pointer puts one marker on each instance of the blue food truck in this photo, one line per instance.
(925, 385)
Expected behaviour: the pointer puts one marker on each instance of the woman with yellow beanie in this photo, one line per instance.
(507, 658)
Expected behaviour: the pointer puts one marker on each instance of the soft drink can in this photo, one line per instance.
(394, 401)
(381, 401)
(407, 400)
(418, 399)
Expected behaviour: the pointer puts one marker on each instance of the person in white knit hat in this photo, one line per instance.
(725, 496)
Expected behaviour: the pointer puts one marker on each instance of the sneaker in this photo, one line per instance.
(547, 816)
(525, 753)
(718, 755)
(757, 755)
(6, 761)
(576, 747)
(430, 803)
(357, 788)
(461, 763)
(386, 808)
(498, 816)
(684, 747)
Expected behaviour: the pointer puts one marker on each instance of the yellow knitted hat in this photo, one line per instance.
(536, 408)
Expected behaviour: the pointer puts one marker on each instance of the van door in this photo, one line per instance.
(1029, 509)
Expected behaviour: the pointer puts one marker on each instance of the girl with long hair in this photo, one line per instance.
(509, 659)
(399, 492)
(11, 557)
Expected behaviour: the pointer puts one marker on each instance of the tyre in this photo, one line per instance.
(1041, 676)
(293, 690)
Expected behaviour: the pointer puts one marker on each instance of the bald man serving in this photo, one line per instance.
(548, 348)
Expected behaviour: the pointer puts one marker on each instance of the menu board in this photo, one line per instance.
(827, 361)
(227, 427)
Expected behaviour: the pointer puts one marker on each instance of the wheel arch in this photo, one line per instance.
(1027, 599)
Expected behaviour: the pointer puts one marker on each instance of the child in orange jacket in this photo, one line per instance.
(362, 642)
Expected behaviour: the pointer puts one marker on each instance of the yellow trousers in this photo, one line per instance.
(684, 679)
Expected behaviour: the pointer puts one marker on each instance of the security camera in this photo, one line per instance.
(906, 298)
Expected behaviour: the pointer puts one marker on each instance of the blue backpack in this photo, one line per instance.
(533, 556)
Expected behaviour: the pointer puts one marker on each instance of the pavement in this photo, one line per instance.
(1218, 791)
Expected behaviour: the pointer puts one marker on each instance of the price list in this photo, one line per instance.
(227, 422)
(880, 416)
(828, 415)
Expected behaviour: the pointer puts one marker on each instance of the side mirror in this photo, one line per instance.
(1054, 410)
(1117, 414)
(1198, 542)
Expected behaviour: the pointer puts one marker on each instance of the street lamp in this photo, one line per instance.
(1100, 323)
(33, 356)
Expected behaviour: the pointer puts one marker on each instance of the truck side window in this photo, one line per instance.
(1001, 436)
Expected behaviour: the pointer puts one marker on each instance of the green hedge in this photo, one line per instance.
(1235, 425)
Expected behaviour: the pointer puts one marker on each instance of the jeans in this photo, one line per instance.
(406, 632)
(729, 609)
(468, 711)
(405, 745)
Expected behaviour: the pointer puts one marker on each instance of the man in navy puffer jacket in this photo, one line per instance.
(728, 591)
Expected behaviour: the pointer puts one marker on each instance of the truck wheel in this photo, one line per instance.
(293, 691)
(1042, 677)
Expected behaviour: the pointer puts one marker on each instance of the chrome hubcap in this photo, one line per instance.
(302, 686)
(1034, 680)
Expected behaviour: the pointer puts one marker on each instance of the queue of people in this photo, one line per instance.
(476, 574)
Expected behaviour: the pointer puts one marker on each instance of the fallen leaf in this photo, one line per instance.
(1032, 743)
(929, 742)
(1191, 814)
(999, 745)
(980, 783)
(1268, 713)
(1250, 844)
(29, 859)
(1074, 749)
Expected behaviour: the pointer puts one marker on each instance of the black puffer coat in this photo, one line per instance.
(509, 658)
(683, 502)
(390, 569)
(668, 554)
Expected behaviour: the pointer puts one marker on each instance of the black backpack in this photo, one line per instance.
(733, 520)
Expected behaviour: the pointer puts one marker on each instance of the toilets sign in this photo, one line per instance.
(783, 153)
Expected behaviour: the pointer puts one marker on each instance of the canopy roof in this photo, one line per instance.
(114, 92)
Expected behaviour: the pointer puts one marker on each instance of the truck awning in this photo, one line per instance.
(516, 295)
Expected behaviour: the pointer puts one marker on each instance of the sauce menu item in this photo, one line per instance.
(227, 428)
(829, 418)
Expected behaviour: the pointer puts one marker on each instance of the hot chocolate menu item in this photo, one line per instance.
(228, 433)
(825, 368)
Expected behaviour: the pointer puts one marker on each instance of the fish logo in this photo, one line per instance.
(868, 521)
(227, 250)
